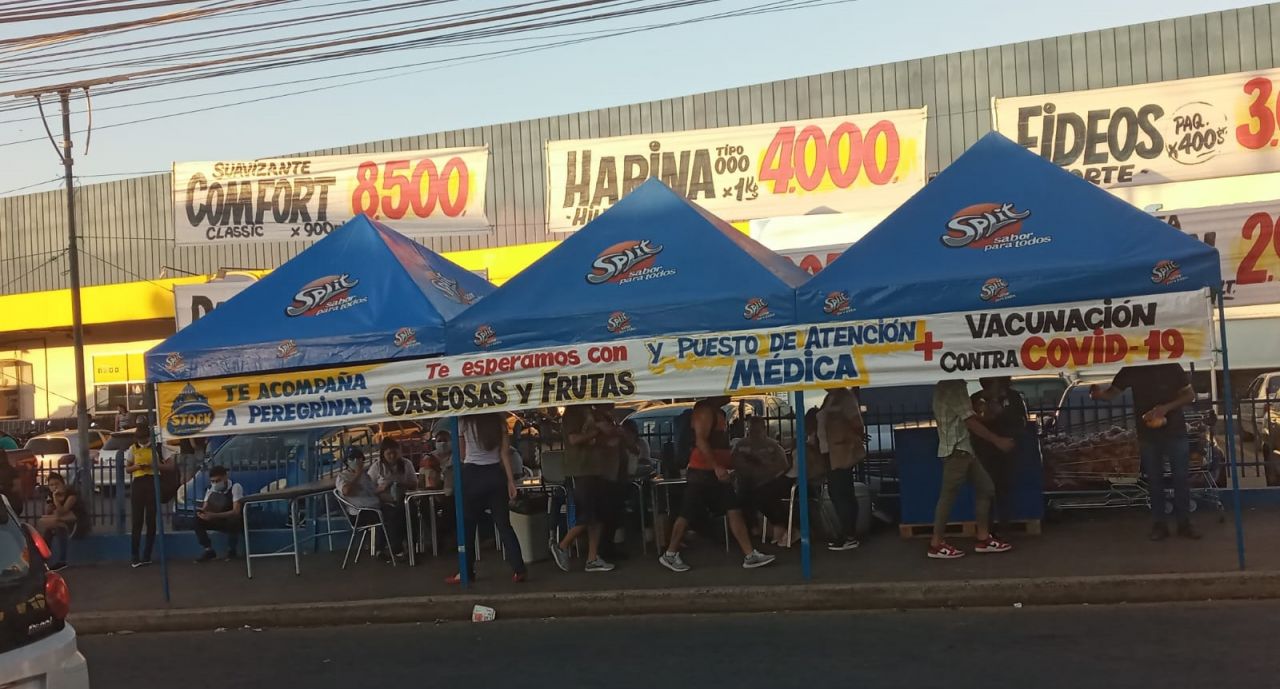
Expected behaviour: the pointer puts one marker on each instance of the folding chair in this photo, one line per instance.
(373, 522)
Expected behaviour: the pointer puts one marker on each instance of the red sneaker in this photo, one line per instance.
(455, 580)
(945, 552)
(992, 545)
(519, 578)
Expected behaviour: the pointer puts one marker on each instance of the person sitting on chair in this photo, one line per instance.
(65, 514)
(222, 511)
(360, 494)
(762, 465)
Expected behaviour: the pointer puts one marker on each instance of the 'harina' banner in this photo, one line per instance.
(742, 173)
(1247, 237)
(1097, 336)
(1169, 131)
(276, 199)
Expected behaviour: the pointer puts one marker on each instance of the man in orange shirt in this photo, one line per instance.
(708, 487)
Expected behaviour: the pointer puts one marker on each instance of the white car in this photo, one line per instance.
(57, 451)
(1255, 409)
(37, 646)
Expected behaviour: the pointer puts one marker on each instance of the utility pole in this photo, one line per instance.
(83, 468)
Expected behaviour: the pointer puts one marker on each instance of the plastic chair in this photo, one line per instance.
(367, 530)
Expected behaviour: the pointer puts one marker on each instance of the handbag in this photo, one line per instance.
(169, 480)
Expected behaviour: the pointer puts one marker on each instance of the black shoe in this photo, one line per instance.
(1187, 531)
(842, 544)
(57, 567)
(1159, 532)
(135, 564)
(231, 557)
(207, 556)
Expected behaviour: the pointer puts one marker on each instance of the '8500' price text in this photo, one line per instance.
(399, 187)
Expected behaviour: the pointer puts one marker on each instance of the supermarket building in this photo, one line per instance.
(132, 267)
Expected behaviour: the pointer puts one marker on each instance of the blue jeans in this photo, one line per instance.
(1154, 452)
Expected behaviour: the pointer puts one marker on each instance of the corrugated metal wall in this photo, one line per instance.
(128, 231)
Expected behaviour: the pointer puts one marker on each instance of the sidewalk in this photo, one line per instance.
(1112, 545)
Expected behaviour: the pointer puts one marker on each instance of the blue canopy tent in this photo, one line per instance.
(1003, 223)
(653, 264)
(364, 293)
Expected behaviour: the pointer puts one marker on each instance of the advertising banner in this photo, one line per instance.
(277, 199)
(1169, 131)
(193, 302)
(1099, 336)
(740, 173)
(1247, 237)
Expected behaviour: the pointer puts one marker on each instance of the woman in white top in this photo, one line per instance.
(488, 484)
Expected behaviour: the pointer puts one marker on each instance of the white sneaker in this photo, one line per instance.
(757, 559)
(599, 565)
(673, 562)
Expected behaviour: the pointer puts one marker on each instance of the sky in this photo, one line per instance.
(611, 71)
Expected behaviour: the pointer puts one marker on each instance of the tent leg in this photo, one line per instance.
(157, 458)
(458, 510)
(802, 483)
(1228, 417)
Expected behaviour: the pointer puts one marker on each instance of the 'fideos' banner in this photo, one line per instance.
(1169, 131)
(1247, 237)
(419, 192)
(1099, 336)
(741, 173)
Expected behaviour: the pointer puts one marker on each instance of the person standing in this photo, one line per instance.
(63, 518)
(843, 435)
(139, 463)
(123, 422)
(222, 511)
(488, 484)
(708, 487)
(1003, 410)
(611, 462)
(1159, 394)
(953, 411)
(762, 466)
(588, 445)
(7, 441)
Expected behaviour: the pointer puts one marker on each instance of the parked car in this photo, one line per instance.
(1256, 408)
(37, 646)
(57, 451)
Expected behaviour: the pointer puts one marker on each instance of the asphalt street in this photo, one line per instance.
(1185, 645)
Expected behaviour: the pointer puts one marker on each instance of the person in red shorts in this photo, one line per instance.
(708, 487)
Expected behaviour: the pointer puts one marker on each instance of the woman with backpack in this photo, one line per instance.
(488, 484)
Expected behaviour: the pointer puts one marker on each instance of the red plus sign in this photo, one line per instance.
(929, 346)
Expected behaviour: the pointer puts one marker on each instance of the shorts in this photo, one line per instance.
(590, 499)
(706, 492)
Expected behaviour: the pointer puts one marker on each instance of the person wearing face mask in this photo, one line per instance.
(221, 512)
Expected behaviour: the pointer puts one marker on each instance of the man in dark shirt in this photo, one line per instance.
(1003, 410)
(1159, 394)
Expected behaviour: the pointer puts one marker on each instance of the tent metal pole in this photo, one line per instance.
(458, 512)
(157, 458)
(802, 488)
(1228, 417)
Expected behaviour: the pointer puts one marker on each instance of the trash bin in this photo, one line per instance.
(532, 528)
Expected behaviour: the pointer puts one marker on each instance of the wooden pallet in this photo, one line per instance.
(1030, 527)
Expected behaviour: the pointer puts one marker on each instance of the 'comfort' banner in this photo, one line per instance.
(741, 173)
(1169, 131)
(419, 192)
(1247, 237)
(1098, 336)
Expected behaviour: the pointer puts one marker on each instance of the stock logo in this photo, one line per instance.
(619, 322)
(989, 226)
(174, 363)
(450, 288)
(286, 349)
(757, 309)
(405, 337)
(325, 295)
(995, 290)
(190, 412)
(1167, 273)
(485, 337)
(629, 261)
(837, 303)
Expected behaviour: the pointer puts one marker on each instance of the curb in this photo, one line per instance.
(1112, 589)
